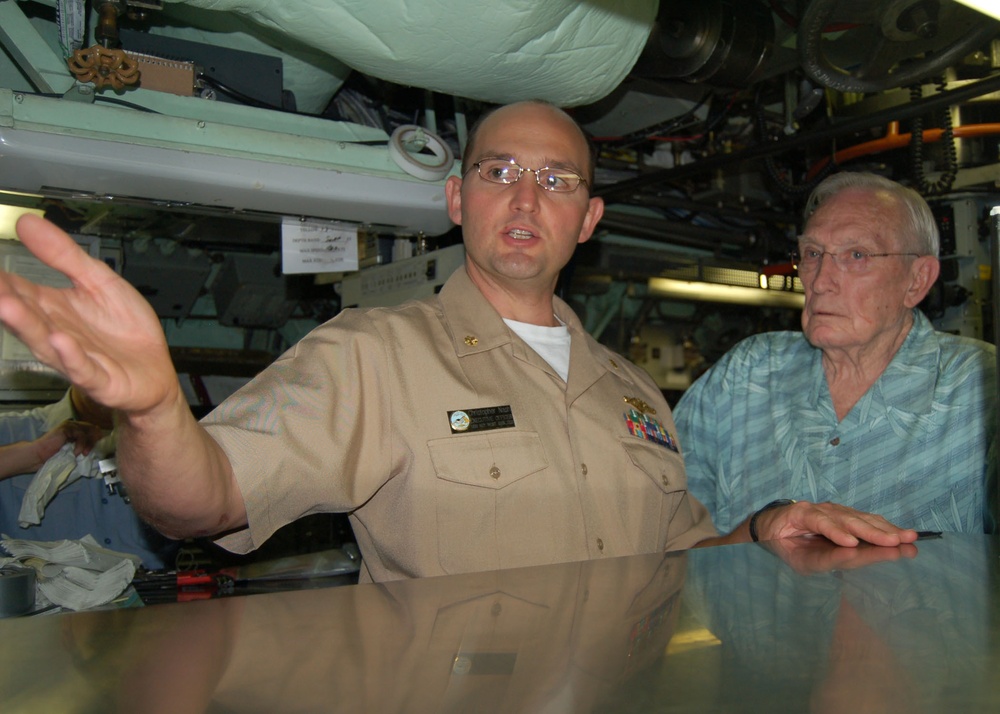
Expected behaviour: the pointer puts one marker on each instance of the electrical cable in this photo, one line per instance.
(236, 94)
(646, 132)
(788, 188)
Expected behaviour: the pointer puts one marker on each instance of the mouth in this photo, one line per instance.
(823, 313)
(520, 234)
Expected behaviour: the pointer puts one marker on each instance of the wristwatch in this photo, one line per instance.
(776, 503)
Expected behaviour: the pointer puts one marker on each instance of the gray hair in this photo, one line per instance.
(919, 229)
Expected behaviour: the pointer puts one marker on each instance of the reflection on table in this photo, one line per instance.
(745, 628)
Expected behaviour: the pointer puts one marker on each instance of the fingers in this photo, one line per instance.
(23, 309)
(847, 527)
(50, 321)
(842, 525)
(37, 329)
(22, 319)
(54, 247)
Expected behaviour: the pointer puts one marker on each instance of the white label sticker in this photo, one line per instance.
(318, 246)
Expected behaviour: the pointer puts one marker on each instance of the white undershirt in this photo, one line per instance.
(551, 343)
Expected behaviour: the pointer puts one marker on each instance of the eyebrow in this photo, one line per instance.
(853, 242)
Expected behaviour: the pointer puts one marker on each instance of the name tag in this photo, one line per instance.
(482, 419)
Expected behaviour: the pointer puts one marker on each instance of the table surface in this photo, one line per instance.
(792, 626)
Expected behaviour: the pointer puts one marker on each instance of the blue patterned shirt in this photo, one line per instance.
(917, 448)
(84, 507)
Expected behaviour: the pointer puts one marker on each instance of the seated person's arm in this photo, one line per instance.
(28, 456)
(840, 524)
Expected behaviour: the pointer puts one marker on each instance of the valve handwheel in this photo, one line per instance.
(103, 67)
(868, 46)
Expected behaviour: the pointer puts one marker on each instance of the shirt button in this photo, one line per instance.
(107, 541)
(495, 473)
(600, 544)
(664, 479)
(583, 469)
(835, 442)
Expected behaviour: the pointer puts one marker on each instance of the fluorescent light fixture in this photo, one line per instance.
(717, 292)
(9, 216)
(67, 166)
(987, 7)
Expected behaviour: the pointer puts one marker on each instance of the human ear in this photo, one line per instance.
(595, 210)
(923, 273)
(453, 197)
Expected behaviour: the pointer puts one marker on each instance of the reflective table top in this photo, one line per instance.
(794, 626)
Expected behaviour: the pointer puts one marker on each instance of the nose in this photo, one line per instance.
(826, 275)
(525, 192)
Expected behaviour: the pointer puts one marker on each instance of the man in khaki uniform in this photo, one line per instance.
(476, 430)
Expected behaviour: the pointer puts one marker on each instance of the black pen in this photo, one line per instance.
(924, 535)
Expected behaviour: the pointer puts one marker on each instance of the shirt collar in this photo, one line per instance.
(475, 323)
(476, 326)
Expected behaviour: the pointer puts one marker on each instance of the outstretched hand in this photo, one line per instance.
(100, 333)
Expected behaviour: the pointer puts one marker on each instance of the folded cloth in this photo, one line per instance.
(74, 574)
(62, 469)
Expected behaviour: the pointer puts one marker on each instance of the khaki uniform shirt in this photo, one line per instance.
(359, 417)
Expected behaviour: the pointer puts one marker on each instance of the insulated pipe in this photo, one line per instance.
(894, 140)
(916, 108)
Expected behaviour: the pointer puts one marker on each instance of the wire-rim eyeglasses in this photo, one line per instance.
(849, 260)
(507, 172)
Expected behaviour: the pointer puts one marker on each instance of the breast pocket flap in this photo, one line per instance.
(663, 466)
(493, 460)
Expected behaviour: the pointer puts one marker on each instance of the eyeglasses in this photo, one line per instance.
(849, 260)
(506, 171)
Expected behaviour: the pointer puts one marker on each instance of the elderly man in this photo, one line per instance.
(868, 406)
(478, 429)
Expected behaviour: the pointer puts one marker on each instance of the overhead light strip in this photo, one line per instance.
(987, 7)
(732, 294)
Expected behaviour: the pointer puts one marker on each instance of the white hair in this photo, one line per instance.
(919, 230)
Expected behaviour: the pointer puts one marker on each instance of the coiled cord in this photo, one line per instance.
(947, 178)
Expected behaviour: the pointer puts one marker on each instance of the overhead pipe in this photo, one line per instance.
(894, 140)
(916, 108)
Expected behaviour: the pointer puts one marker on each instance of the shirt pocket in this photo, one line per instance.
(488, 497)
(663, 467)
(651, 493)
